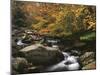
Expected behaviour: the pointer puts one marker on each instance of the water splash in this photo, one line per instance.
(69, 63)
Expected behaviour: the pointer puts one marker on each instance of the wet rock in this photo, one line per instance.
(41, 55)
(90, 66)
(35, 69)
(19, 65)
(75, 52)
(88, 59)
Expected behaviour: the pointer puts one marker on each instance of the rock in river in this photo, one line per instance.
(42, 55)
(88, 60)
(19, 65)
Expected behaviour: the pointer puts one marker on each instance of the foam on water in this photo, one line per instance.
(69, 63)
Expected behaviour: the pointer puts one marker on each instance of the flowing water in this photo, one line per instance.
(69, 63)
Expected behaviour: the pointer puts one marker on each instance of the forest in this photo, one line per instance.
(69, 27)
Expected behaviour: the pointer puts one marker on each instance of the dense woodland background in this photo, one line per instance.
(54, 19)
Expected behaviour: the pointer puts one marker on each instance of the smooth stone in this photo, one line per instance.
(41, 55)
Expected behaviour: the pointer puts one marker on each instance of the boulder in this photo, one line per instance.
(88, 59)
(38, 54)
(90, 66)
(19, 65)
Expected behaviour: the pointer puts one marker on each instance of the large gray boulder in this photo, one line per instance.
(41, 55)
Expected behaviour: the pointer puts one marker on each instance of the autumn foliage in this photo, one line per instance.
(54, 19)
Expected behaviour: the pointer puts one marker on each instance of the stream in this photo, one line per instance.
(68, 64)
